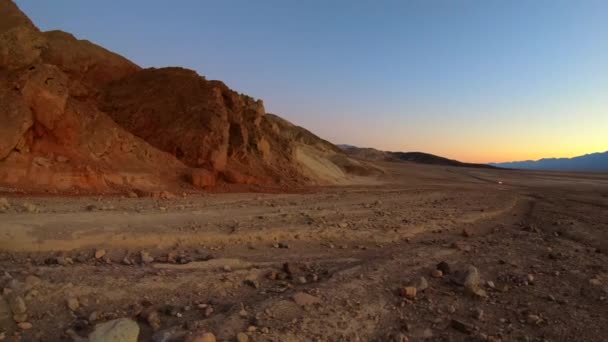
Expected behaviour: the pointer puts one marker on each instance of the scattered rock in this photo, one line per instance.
(409, 292)
(478, 313)
(437, 274)
(4, 204)
(146, 257)
(153, 319)
(303, 299)
(100, 253)
(30, 208)
(242, 337)
(25, 325)
(490, 284)
(470, 280)
(118, 330)
(17, 305)
(201, 337)
(533, 319)
(31, 281)
(72, 303)
(462, 327)
(421, 284)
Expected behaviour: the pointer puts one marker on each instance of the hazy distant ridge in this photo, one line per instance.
(594, 162)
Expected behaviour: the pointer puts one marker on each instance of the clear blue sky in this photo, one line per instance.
(473, 80)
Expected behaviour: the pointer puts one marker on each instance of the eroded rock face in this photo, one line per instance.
(77, 116)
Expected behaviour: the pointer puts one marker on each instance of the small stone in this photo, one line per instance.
(409, 292)
(422, 284)
(72, 303)
(252, 328)
(490, 284)
(93, 316)
(242, 337)
(303, 299)
(252, 282)
(4, 204)
(132, 194)
(462, 327)
(478, 313)
(31, 281)
(427, 334)
(437, 274)
(146, 257)
(302, 280)
(118, 330)
(243, 313)
(533, 319)
(466, 233)
(100, 253)
(153, 319)
(227, 268)
(343, 225)
(530, 278)
(18, 305)
(201, 337)
(595, 282)
(30, 208)
(25, 325)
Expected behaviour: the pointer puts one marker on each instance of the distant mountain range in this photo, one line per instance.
(594, 162)
(414, 157)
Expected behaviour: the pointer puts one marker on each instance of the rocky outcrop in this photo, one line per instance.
(77, 116)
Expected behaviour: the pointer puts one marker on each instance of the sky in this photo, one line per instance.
(477, 81)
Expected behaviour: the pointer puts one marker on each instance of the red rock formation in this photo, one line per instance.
(75, 115)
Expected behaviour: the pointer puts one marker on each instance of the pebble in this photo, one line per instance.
(25, 325)
(490, 284)
(18, 305)
(153, 319)
(31, 281)
(72, 303)
(478, 313)
(204, 337)
(146, 257)
(462, 327)
(409, 292)
(533, 319)
(118, 330)
(242, 337)
(436, 274)
(595, 282)
(30, 208)
(422, 284)
(4, 204)
(303, 299)
(100, 253)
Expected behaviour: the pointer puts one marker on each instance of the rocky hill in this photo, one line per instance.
(415, 157)
(79, 117)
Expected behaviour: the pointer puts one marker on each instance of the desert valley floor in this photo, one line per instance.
(328, 264)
